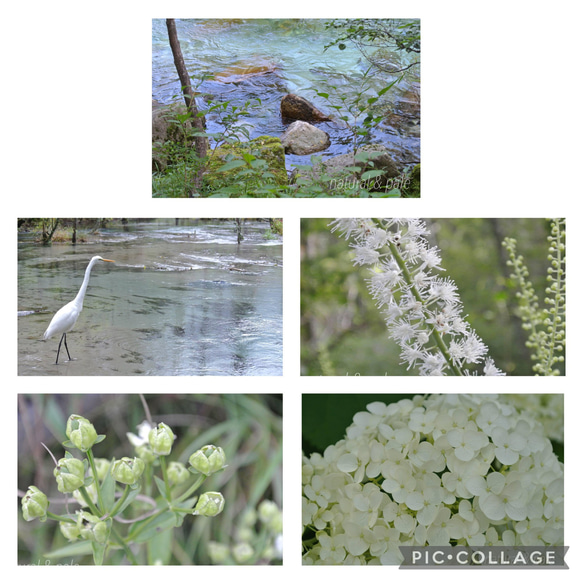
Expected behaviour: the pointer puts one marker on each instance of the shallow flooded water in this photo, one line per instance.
(284, 56)
(180, 299)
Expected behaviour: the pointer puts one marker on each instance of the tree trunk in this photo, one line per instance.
(200, 142)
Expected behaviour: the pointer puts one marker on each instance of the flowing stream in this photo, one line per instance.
(182, 298)
(292, 51)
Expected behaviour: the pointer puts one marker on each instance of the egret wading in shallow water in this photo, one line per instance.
(64, 320)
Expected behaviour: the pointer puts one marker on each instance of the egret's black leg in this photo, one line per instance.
(63, 337)
(59, 349)
(66, 347)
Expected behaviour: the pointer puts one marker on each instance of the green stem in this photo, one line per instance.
(434, 333)
(165, 476)
(95, 511)
(122, 499)
(61, 518)
(190, 490)
(96, 480)
(145, 523)
(119, 540)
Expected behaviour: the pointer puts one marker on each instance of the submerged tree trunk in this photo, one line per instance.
(200, 142)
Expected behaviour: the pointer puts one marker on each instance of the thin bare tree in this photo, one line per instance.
(200, 142)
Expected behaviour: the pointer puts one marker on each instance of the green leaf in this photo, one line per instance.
(108, 491)
(98, 553)
(71, 550)
(160, 548)
(130, 498)
(232, 164)
(161, 486)
(371, 174)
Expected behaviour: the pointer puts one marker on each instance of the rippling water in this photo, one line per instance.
(295, 49)
(180, 300)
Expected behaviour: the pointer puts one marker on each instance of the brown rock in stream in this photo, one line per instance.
(296, 107)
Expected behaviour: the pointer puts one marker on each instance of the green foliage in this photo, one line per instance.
(356, 105)
(402, 35)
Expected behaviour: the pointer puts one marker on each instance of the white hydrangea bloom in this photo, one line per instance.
(437, 470)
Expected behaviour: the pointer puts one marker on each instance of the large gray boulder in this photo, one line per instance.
(302, 138)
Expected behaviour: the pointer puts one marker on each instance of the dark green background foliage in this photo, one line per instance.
(325, 417)
(342, 331)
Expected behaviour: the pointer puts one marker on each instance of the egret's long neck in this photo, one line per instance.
(81, 294)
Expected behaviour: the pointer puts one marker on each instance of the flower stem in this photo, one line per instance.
(96, 480)
(192, 489)
(434, 333)
(165, 476)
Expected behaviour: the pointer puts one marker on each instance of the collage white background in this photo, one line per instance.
(501, 136)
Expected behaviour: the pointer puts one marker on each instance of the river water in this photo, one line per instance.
(295, 49)
(180, 299)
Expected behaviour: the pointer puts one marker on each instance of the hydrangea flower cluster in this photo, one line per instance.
(438, 470)
(423, 312)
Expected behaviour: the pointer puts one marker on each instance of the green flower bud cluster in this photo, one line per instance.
(81, 433)
(545, 326)
(86, 527)
(161, 439)
(34, 505)
(70, 474)
(92, 483)
(209, 504)
(208, 460)
(127, 470)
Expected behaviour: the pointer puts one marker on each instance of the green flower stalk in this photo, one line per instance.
(127, 470)
(209, 504)
(423, 311)
(70, 474)
(208, 460)
(545, 326)
(34, 505)
(81, 432)
(161, 439)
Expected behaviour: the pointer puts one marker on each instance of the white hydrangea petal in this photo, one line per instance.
(347, 463)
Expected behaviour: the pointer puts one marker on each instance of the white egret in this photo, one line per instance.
(64, 320)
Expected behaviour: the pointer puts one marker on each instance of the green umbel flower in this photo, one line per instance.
(81, 432)
(208, 460)
(127, 470)
(92, 528)
(161, 439)
(70, 474)
(70, 531)
(34, 505)
(209, 504)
